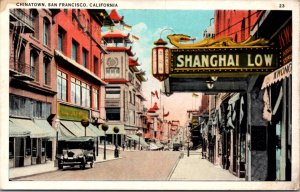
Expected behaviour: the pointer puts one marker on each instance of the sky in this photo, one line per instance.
(148, 25)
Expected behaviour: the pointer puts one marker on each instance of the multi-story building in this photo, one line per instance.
(32, 86)
(78, 55)
(252, 129)
(123, 94)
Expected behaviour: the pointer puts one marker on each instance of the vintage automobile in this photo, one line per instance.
(76, 151)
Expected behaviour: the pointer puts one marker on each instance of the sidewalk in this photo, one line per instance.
(194, 168)
(49, 166)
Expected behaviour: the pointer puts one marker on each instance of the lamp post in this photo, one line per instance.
(104, 128)
(116, 131)
(96, 123)
(85, 123)
(139, 134)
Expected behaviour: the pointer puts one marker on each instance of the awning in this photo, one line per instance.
(16, 131)
(43, 124)
(277, 75)
(96, 130)
(63, 133)
(29, 125)
(111, 129)
(89, 131)
(71, 127)
(137, 139)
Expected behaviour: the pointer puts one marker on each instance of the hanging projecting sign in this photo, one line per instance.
(224, 60)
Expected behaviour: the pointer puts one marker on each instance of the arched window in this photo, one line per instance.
(46, 31)
(35, 17)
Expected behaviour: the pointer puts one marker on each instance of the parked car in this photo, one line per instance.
(177, 146)
(76, 151)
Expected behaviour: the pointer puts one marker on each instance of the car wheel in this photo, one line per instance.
(82, 166)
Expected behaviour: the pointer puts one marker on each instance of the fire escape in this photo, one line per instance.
(20, 22)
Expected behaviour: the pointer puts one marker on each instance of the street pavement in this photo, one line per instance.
(194, 168)
(133, 166)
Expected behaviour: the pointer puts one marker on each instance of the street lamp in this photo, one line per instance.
(139, 134)
(116, 131)
(104, 128)
(160, 60)
(85, 123)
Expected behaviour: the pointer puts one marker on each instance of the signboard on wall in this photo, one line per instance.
(72, 113)
(224, 60)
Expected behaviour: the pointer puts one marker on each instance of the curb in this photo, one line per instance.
(56, 169)
(174, 167)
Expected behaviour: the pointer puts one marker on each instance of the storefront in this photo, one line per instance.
(29, 140)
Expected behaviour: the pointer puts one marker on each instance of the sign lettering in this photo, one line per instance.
(224, 60)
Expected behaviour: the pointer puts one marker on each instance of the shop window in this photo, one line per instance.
(62, 86)
(11, 148)
(43, 150)
(113, 113)
(34, 147)
(28, 146)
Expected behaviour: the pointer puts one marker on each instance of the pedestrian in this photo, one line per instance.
(123, 146)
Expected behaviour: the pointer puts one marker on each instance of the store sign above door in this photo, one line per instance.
(224, 61)
(217, 57)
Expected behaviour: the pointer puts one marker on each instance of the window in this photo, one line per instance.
(61, 39)
(47, 70)
(80, 93)
(11, 148)
(113, 113)
(84, 58)
(131, 117)
(96, 99)
(130, 97)
(74, 50)
(113, 72)
(33, 63)
(112, 93)
(133, 99)
(46, 31)
(35, 16)
(61, 86)
(96, 65)
(28, 146)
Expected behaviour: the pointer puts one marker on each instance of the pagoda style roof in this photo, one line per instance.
(133, 62)
(112, 35)
(120, 49)
(114, 15)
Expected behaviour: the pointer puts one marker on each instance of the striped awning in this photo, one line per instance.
(71, 127)
(30, 126)
(89, 131)
(43, 124)
(137, 139)
(16, 131)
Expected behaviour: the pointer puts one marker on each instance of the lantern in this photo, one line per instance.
(160, 60)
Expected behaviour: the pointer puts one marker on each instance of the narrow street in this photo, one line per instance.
(135, 165)
(143, 166)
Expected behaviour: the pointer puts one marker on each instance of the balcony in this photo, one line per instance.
(22, 71)
(21, 19)
(112, 103)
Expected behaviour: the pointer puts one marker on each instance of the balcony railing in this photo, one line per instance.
(22, 16)
(22, 70)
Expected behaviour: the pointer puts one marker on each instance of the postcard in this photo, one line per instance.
(149, 95)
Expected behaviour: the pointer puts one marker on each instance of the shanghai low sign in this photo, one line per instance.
(224, 61)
